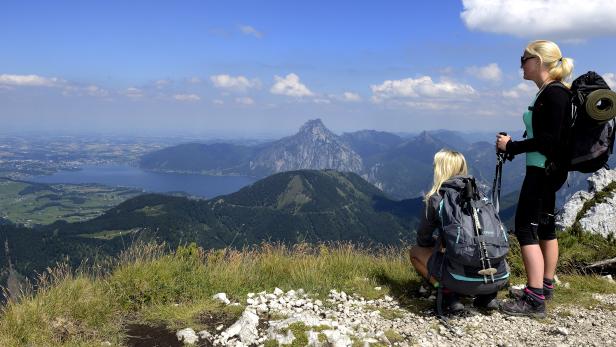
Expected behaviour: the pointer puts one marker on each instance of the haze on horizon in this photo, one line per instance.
(250, 69)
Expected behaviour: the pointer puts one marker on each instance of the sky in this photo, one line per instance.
(263, 68)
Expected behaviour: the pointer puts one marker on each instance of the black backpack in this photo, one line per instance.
(474, 239)
(589, 137)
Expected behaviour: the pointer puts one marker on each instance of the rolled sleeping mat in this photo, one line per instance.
(601, 105)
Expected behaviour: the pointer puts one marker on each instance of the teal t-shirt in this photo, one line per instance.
(532, 158)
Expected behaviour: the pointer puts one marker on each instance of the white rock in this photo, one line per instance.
(336, 339)
(204, 334)
(187, 336)
(271, 297)
(562, 331)
(219, 327)
(570, 209)
(222, 297)
(566, 285)
(318, 302)
(601, 179)
(278, 291)
(251, 301)
(608, 278)
(250, 295)
(291, 293)
(388, 298)
(245, 328)
(313, 338)
(377, 288)
(285, 339)
(262, 308)
(381, 337)
(557, 281)
(601, 218)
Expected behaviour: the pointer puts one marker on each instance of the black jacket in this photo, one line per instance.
(551, 115)
(429, 222)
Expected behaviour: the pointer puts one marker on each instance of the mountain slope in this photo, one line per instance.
(289, 207)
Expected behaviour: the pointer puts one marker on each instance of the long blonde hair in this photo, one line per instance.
(548, 52)
(447, 163)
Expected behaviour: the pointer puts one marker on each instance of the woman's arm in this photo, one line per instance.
(547, 124)
(429, 222)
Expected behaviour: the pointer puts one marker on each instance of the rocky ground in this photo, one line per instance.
(346, 320)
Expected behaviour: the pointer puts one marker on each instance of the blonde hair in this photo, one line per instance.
(447, 163)
(559, 67)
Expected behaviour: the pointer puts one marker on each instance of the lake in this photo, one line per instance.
(128, 176)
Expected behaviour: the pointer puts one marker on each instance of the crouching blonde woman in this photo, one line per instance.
(447, 164)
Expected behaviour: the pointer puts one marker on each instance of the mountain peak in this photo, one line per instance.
(313, 126)
(425, 137)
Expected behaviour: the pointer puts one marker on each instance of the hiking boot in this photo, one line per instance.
(524, 306)
(451, 303)
(517, 293)
(486, 302)
(425, 289)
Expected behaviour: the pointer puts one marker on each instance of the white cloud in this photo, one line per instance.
(422, 87)
(160, 84)
(610, 79)
(194, 80)
(248, 30)
(290, 86)
(218, 102)
(133, 93)
(29, 80)
(321, 101)
(244, 100)
(563, 19)
(93, 90)
(524, 89)
(186, 97)
(489, 72)
(351, 97)
(238, 84)
(431, 105)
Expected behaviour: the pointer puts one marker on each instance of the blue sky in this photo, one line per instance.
(251, 68)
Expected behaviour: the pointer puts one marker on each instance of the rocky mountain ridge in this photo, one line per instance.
(594, 209)
(313, 147)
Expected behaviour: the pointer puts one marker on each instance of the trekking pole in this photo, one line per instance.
(486, 264)
(498, 175)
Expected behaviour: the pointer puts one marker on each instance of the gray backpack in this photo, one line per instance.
(474, 240)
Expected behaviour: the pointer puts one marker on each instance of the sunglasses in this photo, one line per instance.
(523, 59)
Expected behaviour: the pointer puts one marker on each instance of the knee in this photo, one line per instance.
(418, 253)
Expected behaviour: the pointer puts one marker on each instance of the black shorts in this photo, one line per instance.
(534, 216)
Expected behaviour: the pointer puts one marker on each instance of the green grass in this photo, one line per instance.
(148, 284)
(108, 234)
(70, 202)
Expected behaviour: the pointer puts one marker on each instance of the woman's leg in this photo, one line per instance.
(547, 235)
(549, 248)
(534, 265)
(419, 259)
(531, 302)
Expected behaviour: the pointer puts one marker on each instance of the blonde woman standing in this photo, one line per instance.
(447, 164)
(546, 124)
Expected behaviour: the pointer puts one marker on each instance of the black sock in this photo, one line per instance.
(548, 284)
(535, 293)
